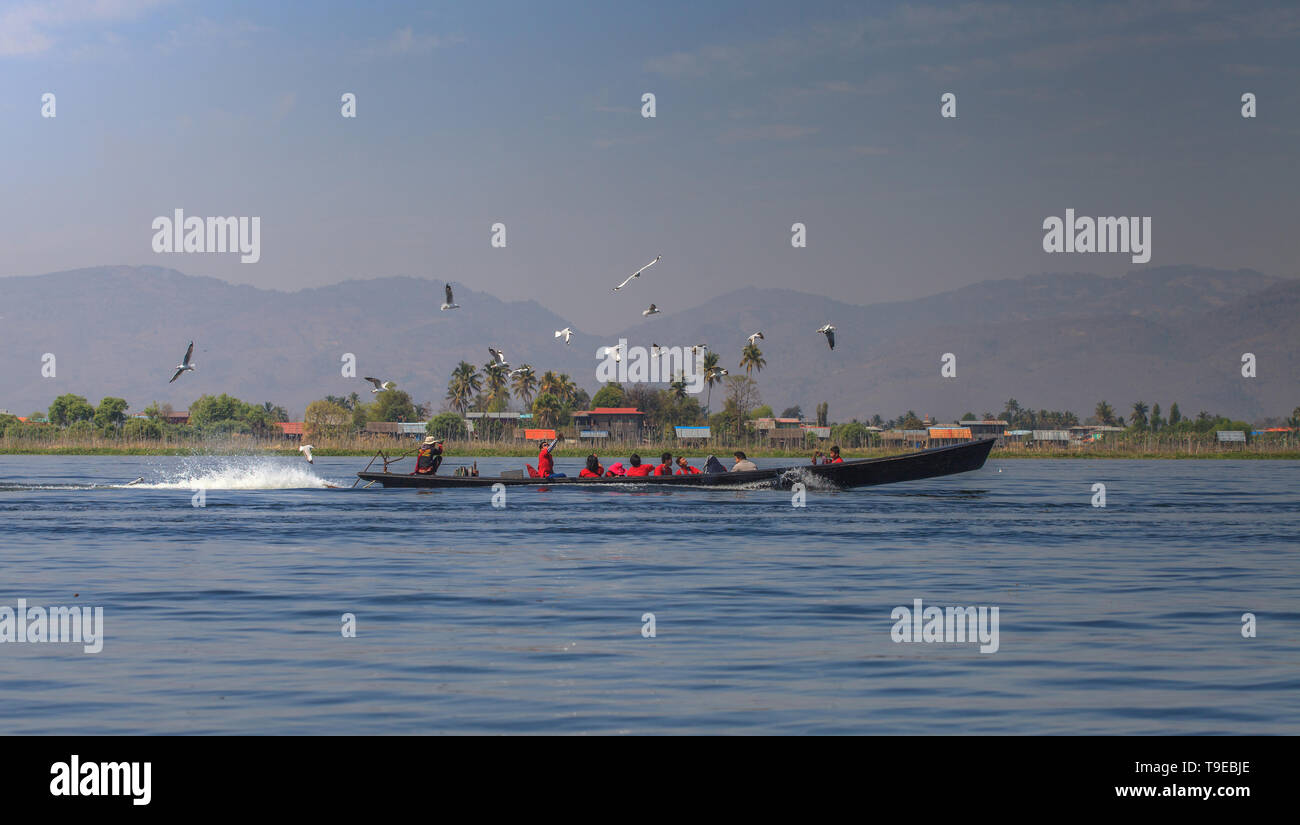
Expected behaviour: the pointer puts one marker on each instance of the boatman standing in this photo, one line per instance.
(429, 457)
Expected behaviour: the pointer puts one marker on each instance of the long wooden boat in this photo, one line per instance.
(863, 472)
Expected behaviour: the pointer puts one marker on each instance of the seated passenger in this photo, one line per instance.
(817, 454)
(616, 469)
(638, 469)
(545, 461)
(665, 467)
(684, 469)
(742, 464)
(593, 468)
(834, 457)
(712, 465)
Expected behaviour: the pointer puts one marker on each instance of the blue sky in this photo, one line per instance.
(767, 114)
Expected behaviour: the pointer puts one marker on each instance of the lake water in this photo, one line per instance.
(768, 618)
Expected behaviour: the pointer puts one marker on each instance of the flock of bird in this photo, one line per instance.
(499, 357)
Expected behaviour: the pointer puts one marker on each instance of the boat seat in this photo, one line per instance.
(512, 474)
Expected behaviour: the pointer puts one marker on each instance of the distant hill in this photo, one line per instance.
(1061, 341)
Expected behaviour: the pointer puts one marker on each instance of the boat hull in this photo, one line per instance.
(863, 472)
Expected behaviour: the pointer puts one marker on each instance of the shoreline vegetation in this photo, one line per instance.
(1124, 446)
(394, 424)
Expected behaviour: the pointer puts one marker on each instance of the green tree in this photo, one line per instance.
(792, 412)
(142, 429)
(1139, 419)
(498, 391)
(609, 395)
(1156, 421)
(446, 425)
(751, 358)
(1105, 414)
(68, 409)
(1175, 415)
(970, 416)
(326, 419)
(525, 385)
(824, 414)
(677, 387)
(212, 409)
(111, 413)
(465, 383)
(393, 405)
(548, 409)
(275, 414)
(711, 375)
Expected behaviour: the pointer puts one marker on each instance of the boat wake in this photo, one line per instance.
(232, 473)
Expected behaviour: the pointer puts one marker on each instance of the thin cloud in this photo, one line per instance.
(30, 28)
(771, 131)
(407, 42)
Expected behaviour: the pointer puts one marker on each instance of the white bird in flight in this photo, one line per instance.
(653, 310)
(829, 332)
(499, 357)
(565, 333)
(699, 349)
(637, 274)
(716, 372)
(615, 351)
(184, 365)
(306, 451)
(520, 371)
(450, 303)
(656, 350)
(380, 386)
(757, 335)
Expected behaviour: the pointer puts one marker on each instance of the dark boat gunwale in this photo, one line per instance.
(860, 472)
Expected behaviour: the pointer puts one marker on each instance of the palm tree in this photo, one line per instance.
(547, 409)
(710, 377)
(751, 358)
(525, 384)
(1140, 414)
(677, 387)
(550, 384)
(497, 378)
(465, 383)
(1105, 414)
(568, 390)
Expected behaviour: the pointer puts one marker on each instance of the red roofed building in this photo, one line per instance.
(619, 423)
(290, 429)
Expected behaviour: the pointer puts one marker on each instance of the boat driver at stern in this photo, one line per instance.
(429, 457)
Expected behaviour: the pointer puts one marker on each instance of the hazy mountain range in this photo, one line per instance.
(1060, 341)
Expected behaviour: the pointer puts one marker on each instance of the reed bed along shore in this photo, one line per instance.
(1125, 446)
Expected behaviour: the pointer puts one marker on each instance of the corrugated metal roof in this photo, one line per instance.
(693, 432)
(1231, 435)
(1051, 435)
(950, 432)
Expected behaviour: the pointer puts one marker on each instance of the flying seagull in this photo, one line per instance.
(653, 310)
(716, 372)
(380, 386)
(499, 357)
(656, 350)
(757, 335)
(184, 365)
(829, 332)
(615, 351)
(698, 349)
(306, 450)
(521, 371)
(637, 274)
(565, 333)
(450, 303)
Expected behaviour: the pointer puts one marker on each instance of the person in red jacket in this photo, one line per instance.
(834, 457)
(637, 468)
(665, 467)
(545, 463)
(593, 468)
(684, 469)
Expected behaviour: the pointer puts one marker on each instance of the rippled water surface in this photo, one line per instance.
(769, 618)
